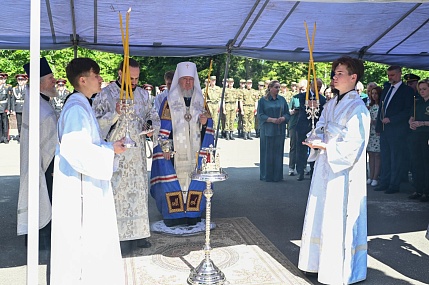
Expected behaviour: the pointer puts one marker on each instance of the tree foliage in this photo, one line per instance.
(153, 68)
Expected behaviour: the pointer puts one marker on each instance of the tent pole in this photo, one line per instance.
(222, 111)
(33, 152)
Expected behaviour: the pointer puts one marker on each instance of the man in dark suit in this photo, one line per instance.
(392, 124)
(303, 126)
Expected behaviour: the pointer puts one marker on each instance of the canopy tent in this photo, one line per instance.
(391, 32)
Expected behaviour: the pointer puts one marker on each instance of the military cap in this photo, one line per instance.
(283, 85)
(61, 81)
(293, 83)
(261, 83)
(249, 81)
(411, 77)
(267, 81)
(21, 76)
(242, 81)
(4, 75)
(212, 77)
(162, 87)
(230, 79)
(147, 86)
(206, 80)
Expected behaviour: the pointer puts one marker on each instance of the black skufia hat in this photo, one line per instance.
(45, 69)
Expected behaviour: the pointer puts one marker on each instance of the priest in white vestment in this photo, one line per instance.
(130, 181)
(85, 243)
(334, 237)
(47, 142)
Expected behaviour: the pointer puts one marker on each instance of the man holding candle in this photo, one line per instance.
(185, 123)
(304, 125)
(130, 180)
(334, 237)
(85, 243)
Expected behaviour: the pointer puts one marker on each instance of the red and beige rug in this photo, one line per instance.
(240, 250)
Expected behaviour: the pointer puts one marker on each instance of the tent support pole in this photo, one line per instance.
(222, 111)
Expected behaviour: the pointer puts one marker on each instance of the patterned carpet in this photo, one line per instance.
(240, 250)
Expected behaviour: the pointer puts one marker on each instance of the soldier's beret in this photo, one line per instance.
(411, 77)
(63, 81)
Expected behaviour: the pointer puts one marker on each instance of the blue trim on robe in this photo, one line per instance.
(163, 175)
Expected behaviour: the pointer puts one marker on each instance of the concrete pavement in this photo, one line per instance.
(398, 250)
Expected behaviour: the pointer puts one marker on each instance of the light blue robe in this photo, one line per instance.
(85, 241)
(334, 237)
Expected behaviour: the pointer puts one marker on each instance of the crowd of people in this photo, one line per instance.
(349, 138)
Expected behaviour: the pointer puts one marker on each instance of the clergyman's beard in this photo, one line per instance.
(51, 92)
(187, 93)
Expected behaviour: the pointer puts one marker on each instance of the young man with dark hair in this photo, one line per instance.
(85, 243)
(334, 238)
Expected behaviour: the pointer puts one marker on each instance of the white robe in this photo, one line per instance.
(130, 180)
(334, 237)
(85, 243)
(48, 141)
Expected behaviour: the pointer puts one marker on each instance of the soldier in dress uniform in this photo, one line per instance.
(248, 107)
(412, 80)
(259, 94)
(213, 100)
(240, 111)
(58, 102)
(17, 100)
(5, 96)
(230, 107)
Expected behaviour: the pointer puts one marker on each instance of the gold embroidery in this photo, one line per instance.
(166, 115)
(194, 201)
(175, 202)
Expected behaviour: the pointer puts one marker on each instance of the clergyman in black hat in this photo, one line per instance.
(47, 144)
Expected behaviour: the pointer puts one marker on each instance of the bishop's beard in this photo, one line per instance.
(187, 93)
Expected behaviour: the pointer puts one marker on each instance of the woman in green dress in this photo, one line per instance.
(273, 114)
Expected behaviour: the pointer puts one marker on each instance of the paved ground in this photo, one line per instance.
(398, 250)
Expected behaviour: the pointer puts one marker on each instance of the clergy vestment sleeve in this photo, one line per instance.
(104, 107)
(345, 150)
(77, 147)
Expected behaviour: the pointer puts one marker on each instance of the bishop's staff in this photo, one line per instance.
(311, 109)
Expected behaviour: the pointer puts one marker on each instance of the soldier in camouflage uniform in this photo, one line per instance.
(248, 105)
(230, 107)
(259, 94)
(5, 96)
(240, 94)
(213, 100)
(17, 100)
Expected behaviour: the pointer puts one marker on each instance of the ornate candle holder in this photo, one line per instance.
(166, 145)
(127, 112)
(312, 112)
(207, 272)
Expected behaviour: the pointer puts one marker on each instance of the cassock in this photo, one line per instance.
(177, 195)
(48, 141)
(334, 237)
(130, 181)
(85, 242)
